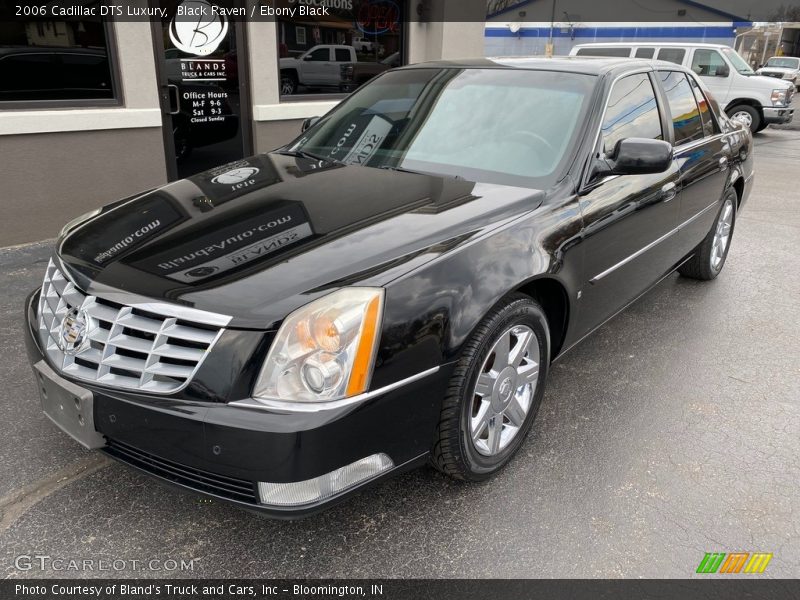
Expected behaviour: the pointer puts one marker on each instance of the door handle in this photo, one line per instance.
(174, 98)
(669, 191)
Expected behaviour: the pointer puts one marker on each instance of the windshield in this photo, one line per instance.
(737, 61)
(786, 63)
(503, 126)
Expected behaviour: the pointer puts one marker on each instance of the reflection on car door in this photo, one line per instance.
(701, 153)
(627, 219)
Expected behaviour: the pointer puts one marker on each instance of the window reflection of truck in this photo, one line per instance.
(355, 75)
(320, 67)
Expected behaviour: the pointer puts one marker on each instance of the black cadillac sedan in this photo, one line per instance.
(389, 289)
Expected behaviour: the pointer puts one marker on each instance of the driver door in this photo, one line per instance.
(629, 220)
(317, 66)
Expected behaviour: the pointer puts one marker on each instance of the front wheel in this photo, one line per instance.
(495, 392)
(288, 84)
(747, 115)
(711, 254)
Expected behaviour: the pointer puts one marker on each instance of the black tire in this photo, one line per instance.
(454, 453)
(289, 84)
(755, 117)
(700, 265)
(761, 127)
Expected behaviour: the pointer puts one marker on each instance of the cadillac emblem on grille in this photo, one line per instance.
(74, 330)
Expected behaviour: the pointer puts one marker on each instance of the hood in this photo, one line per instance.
(782, 70)
(763, 81)
(258, 238)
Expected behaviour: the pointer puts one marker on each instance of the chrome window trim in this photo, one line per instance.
(649, 246)
(281, 407)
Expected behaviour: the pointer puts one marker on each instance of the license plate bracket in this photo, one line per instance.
(69, 406)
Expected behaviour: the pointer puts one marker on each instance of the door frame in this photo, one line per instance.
(245, 102)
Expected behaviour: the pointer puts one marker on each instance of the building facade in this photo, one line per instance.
(526, 28)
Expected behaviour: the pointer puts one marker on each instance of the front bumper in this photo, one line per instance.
(223, 451)
(778, 115)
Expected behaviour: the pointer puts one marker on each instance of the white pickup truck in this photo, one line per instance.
(319, 67)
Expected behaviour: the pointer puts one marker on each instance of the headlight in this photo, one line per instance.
(77, 221)
(778, 97)
(324, 351)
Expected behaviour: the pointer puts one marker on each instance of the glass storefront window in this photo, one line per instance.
(338, 49)
(61, 62)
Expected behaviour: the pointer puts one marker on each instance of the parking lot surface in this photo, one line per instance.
(671, 432)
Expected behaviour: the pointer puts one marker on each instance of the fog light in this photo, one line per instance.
(324, 486)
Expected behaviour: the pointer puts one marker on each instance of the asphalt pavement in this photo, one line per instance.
(671, 432)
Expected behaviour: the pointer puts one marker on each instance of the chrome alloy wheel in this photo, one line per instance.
(722, 235)
(504, 390)
(744, 117)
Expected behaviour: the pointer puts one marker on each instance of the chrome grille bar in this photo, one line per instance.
(124, 346)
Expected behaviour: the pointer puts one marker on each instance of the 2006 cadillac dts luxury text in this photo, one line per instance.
(391, 287)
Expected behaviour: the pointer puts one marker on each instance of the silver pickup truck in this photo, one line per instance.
(319, 67)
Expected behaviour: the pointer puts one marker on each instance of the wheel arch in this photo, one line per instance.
(748, 101)
(552, 295)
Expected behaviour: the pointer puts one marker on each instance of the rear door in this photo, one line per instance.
(629, 219)
(701, 152)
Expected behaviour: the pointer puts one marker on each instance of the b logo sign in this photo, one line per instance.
(197, 28)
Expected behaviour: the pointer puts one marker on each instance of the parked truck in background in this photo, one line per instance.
(752, 99)
(783, 67)
(320, 67)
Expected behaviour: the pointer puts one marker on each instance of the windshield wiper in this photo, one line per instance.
(304, 154)
(404, 170)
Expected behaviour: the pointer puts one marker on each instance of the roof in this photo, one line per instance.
(588, 65)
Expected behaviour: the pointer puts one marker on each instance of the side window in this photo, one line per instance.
(320, 55)
(342, 55)
(673, 55)
(686, 120)
(33, 76)
(645, 52)
(709, 125)
(631, 111)
(709, 63)
(621, 52)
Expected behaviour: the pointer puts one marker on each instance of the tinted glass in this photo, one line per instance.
(320, 55)
(673, 55)
(604, 52)
(446, 121)
(686, 120)
(632, 111)
(369, 30)
(786, 63)
(709, 125)
(54, 60)
(709, 63)
(645, 52)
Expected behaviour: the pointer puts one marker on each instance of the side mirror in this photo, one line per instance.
(636, 156)
(307, 57)
(309, 123)
(723, 71)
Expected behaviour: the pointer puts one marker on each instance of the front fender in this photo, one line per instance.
(432, 311)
